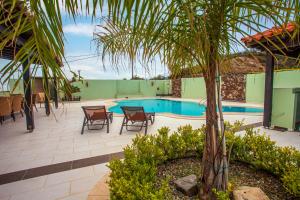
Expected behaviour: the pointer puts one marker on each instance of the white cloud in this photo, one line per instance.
(80, 29)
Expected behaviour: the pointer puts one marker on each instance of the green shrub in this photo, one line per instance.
(221, 195)
(262, 153)
(135, 176)
(291, 181)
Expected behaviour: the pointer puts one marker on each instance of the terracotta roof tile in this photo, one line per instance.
(290, 27)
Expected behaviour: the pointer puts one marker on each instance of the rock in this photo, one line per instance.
(249, 193)
(187, 185)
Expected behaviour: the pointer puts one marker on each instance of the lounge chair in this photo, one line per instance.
(136, 117)
(40, 98)
(5, 107)
(17, 101)
(33, 101)
(96, 116)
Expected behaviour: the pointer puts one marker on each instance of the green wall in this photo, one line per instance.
(96, 89)
(255, 87)
(104, 89)
(128, 87)
(298, 111)
(283, 108)
(18, 89)
(193, 88)
(287, 79)
(255, 84)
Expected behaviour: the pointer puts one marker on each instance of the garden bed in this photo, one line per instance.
(240, 174)
(152, 162)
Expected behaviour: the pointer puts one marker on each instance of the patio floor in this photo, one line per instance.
(57, 139)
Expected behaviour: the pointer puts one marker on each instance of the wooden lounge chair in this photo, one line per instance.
(136, 117)
(96, 116)
(33, 101)
(17, 101)
(5, 108)
(40, 98)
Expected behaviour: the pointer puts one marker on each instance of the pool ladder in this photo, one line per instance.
(203, 101)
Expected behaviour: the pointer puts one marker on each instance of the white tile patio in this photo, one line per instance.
(57, 138)
(68, 185)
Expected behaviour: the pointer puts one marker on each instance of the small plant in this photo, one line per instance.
(221, 195)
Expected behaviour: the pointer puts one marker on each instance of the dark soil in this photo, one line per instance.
(239, 175)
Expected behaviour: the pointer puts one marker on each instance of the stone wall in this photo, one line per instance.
(176, 87)
(233, 87)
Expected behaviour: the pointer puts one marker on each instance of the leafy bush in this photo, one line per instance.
(135, 176)
(221, 195)
(262, 153)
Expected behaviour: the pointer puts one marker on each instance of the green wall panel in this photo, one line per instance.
(283, 108)
(105, 89)
(128, 87)
(153, 87)
(298, 111)
(255, 84)
(97, 89)
(193, 88)
(255, 87)
(18, 89)
(287, 79)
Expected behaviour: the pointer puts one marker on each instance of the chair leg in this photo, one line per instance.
(35, 108)
(83, 125)
(21, 113)
(122, 126)
(107, 126)
(111, 118)
(13, 116)
(1, 118)
(146, 127)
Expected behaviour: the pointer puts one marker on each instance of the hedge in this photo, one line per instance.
(135, 176)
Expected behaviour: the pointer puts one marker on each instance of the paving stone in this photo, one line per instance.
(249, 193)
(187, 185)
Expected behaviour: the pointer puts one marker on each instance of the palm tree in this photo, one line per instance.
(183, 33)
(198, 35)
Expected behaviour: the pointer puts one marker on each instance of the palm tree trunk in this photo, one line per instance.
(224, 160)
(211, 177)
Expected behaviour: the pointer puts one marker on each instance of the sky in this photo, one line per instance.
(81, 54)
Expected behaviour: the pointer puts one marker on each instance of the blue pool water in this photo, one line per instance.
(176, 107)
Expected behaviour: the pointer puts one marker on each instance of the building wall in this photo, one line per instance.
(96, 89)
(105, 89)
(255, 84)
(37, 85)
(255, 87)
(283, 108)
(16, 89)
(193, 88)
(233, 87)
(298, 111)
(190, 87)
(177, 87)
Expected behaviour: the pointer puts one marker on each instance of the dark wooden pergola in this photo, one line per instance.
(284, 41)
(9, 52)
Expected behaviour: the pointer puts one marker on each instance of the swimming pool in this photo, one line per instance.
(176, 107)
